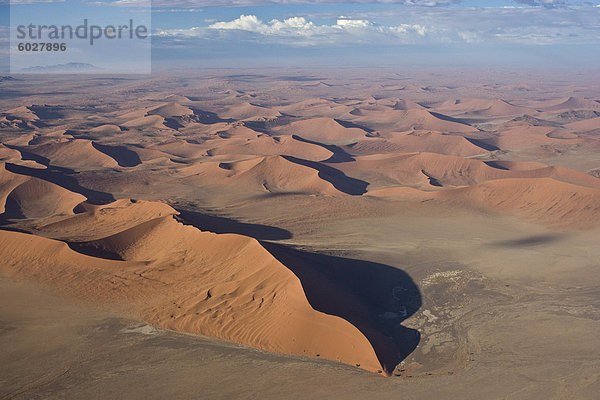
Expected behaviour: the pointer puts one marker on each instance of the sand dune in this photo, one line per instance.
(585, 125)
(75, 154)
(406, 105)
(25, 197)
(272, 146)
(262, 175)
(276, 174)
(151, 121)
(407, 120)
(571, 103)
(107, 129)
(435, 171)
(315, 107)
(479, 108)
(248, 111)
(107, 220)
(558, 204)
(23, 113)
(335, 176)
(434, 142)
(326, 130)
(520, 137)
(177, 98)
(546, 201)
(179, 278)
(171, 109)
(7, 154)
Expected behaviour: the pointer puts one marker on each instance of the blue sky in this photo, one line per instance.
(230, 33)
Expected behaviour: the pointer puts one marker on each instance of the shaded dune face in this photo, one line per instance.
(30, 198)
(224, 285)
(451, 171)
(557, 204)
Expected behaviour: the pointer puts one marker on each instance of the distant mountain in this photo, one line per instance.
(7, 79)
(69, 67)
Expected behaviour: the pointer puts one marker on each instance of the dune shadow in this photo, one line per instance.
(12, 211)
(207, 117)
(448, 118)
(339, 155)
(483, 144)
(46, 112)
(88, 249)
(29, 156)
(348, 124)
(495, 164)
(226, 225)
(373, 297)
(337, 178)
(535, 240)
(121, 154)
(60, 178)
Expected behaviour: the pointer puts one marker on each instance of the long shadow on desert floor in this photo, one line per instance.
(373, 297)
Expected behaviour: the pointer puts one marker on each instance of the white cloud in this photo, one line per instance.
(300, 31)
(353, 23)
(469, 36)
(391, 26)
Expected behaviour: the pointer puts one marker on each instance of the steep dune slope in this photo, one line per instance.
(271, 146)
(179, 278)
(26, 197)
(322, 130)
(278, 174)
(411, 169)
(480, 108)
(74, 154)
(545, 200)
(407, 120)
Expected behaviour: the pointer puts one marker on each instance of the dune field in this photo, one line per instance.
(315, 231)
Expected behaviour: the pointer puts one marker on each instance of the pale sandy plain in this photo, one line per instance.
(277, 234)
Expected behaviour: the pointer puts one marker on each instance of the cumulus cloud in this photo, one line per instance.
(442, 25)
(300, 31)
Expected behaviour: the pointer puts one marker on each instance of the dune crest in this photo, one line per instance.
(180, 278)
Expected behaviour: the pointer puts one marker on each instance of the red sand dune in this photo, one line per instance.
(248, 111)
(585, 125)
(7, 154)
(545, 200)
(75, 154)
(556, 204)
(23, 113)
(265, 174)
(271, 146)
(407, 120)
(171, 109)
(180, 278)
(26, 197)
(480, 108)
(571, 103)
(326, 130)
(151, 121)
(315, 107)
(276, 174)
(107, 129)
(435, 171)
(521, 137)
